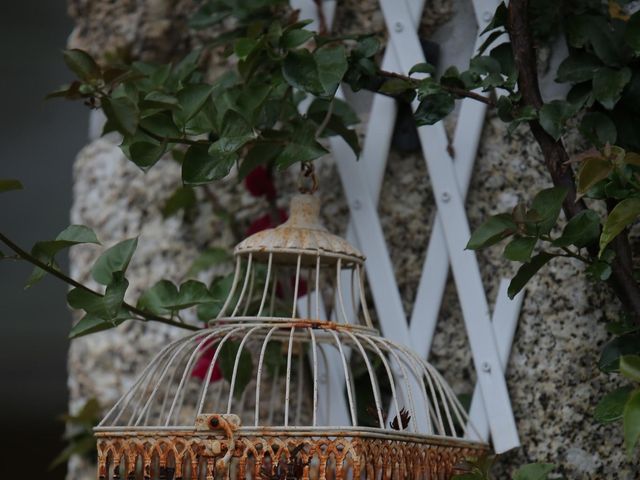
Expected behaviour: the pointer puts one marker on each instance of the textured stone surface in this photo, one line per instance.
(551, 375)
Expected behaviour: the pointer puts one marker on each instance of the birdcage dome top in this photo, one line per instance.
(302, 234)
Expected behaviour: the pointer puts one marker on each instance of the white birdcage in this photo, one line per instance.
(261, 406)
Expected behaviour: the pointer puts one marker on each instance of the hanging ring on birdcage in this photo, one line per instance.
(307, 174)
(228, 423)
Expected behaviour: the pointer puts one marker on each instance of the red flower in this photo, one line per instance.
(201, 368)
(266, 221)
(260, 183)
(302, 287)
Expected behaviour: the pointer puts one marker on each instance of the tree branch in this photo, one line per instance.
(556, 157)
(23, 254)
(460, 92)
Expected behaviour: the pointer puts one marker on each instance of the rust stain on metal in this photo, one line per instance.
(189, 456)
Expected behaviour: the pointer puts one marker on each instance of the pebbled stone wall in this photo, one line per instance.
(551, 374)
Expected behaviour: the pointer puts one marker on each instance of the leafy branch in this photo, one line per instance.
(557, 158)
(50, 269)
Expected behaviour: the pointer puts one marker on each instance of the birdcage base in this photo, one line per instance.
(276, 455)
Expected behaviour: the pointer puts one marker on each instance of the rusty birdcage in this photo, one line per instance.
(269, 416)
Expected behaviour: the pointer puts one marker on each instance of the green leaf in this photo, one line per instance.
(339, 108)
(187, 65)
(433, 108)
(622, 326)
(91, 323)
(554, 115)
(160, 124)
(520, 249)
(82, 64)
(300, 70)
(114, 259)
(487, 42)
(191, 98)
(227, 361)
(534, 471)
(526, 272)
(303, 147)
(92, 303)
(211, 257)
(7, 184)
(219, 291)
(122, 113)
(503, 53)
(594, 30)
(484, 64)
(628, 344)
(610, 408)
(46, 251)
(367, 47)
(161, 100)
(88, 415)
(295, 38)
(632, 32)
(157, 299)
(423, 68)
(76, 234)
(592, 171)
(608, 84)
(236, 132)
(493, 230)
(599, 270)
(244, 46)
(395, 86)
(332, 65)
(182, 198)
(200, 167)
(623, 214)
(630, 367)
(114, 294)
(578, 67)
(165, 298)
(319, 73)
(191, 293)
(499, 18)
(146, 154)
(581, 230)
(598, 128)
(259, 153)
(547, 205)
(631, 421)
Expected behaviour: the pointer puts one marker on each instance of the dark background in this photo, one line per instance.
(38, 142)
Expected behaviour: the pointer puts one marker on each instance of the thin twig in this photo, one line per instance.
(325, 120)
(58, 274)
(184, 141)
(460, 92)
(322, 19)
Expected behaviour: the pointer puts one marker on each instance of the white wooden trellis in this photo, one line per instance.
(490, 337)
